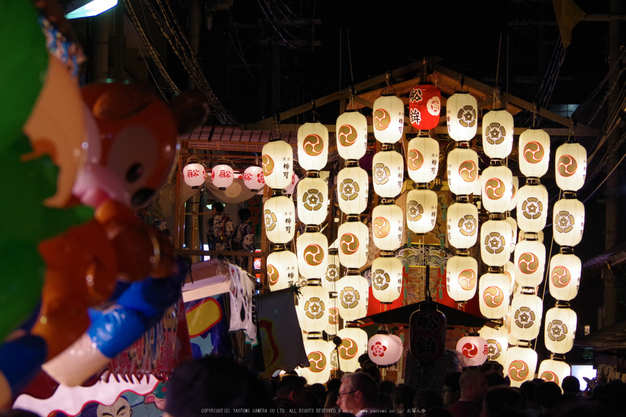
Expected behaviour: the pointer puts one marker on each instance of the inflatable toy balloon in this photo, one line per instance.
(16, 374)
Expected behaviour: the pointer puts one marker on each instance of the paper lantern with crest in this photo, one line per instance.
(495, 242)
(526, 315)
(384, 349)
(388, 118)
(462, 116)
(534, 151)
(277, 164)
(318, 352)
(514, 190)
(387, 226)
(312, 250)
(332, 271)
(462, 225)
(510, 270)
(493, 292)
(253, 178)
(530, 259)
(474, 350)
(570, 165)
(352, 190)
(313, 146)
(554, 371)
(353, 345)
(313, 304)
(497, 188)
(282, 269)
(424, 106)
(421, 210)
(497, 134)
(462, 171)
(564, 279)
(386, 279)
(422, 159)
(334, 321)
(532, 207)
(513, 225)
(497, 343)
(461, 278)
(351, 132)
(521, 364)
(353, 297)
(560, 329)
(353, 244)
(388, 173)
(194, 174)
(312, 201)
(568, 221)
(280, 219)
(222, 176)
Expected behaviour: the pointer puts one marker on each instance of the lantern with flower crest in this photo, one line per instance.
(462, 116)
(534, 150)
(462, 170)
(495, 241)
(312, 200)
(353, 297)
(564, 279)
(329, 281)
(387, 226)
(277, 164)
(462, 225)
(352, 189)
(351, 132)
(497, 343)
(194, 174)
(421, 210)
(527, 312)
(353, 243)
(386, 278)
(474, 350)
(560, 328)
(279, 218)
(313, 305)
(570, 166)
(253, 178)
(312, 250)
(532, 207)
(461, 277)
(384, 349)
(353, 345)
(313, 146)
(222, 176)
(424, 106)
(388, 173)
(554, 370)
(497, 133)
(520, 365)
(493, 291)
(388, 118)
(568, 220)
(422, 159)
(282, 268)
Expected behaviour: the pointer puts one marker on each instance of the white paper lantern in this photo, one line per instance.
(421, 210)
(570, 166)
(554, 371)
(520, 365)
(514, 190)
(497, 190)
(495, 242)
(353, 345)
(388, 173)
(507, 323)
(332, 271)
(388, 118)
(565, 272)
(253, 178)
(312, 201)
(279, 216)
(385, 349)
(532, 208)
(353, 244)
(462, 116)
(282, 269)
(312, 254)
(313, 146)
(462, 171)
(560, 329)
(498, 133)
(353, 297)
(510, 271)
(461, 278)
(513, 241)
(194, 175)
(493, 291)
(386, 279)
(352, 190)
(334, 321)
(462, 225)
(277, 164)
(318, 352)
(387, 226)
(497, 343)
(222, 176)
(313, 303)
(422, 159)
(568, 221)
(534, 151)
(351, 131)
(527, 312)
(530, 259)
(474, 350)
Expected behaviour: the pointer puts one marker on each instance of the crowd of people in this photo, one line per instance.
(223, 235)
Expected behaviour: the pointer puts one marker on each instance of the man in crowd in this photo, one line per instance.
(357, 394)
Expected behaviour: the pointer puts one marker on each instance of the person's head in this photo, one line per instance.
(500, 398)
(473, 385)
(547, 395)
(386, 386)
(402, 398)
(333, 384)
(294, 388)
(494, 379)
(357, 391)
(426, 398)
(451, 390)
(121, 408)
(571, 385)
(217, 207)
(244, 214)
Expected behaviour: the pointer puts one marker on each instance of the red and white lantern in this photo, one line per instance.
(385, 349)
(194, 175)
(570, 166)
(282, 269)
(462, 225)
(532, 208)
(554, 371)
(353, 345)
(278, 164)
(253, 178)
(353, 244)
(564, 279)
(424, 106)
(387, 226)
(560, 329)
(461, 278)
(352, 190)
(534, 151)
(312, 254)
(530, 259)
(312, 201)
(526, 315)
(353, 297)
(279, 216)
(568, 221)
(520, 365)
(386, 279)
(222, 176)
(474, 350)
(497, 188)
(462, 171)
(493, 291)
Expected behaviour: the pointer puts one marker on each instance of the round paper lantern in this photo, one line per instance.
(510, 271)
(352, 190)
(534, 151)
(560, 329)
(427, 333)
(253, 178)
(532, 208)
(282, 269)
(313, 146)
(498, 134)
(497, 190)
(462, 225)
(462, 171)
(312, 201)
(421, 210)
(462, 116)
(194, 175)
(530, 258)
(318, 352)
(334, 321)
(526, 315)
(386, 279)
(493, 291)
(353, 344)
(570, 166)
(495, 242)
(280, 219)
(424, 106)
(388, 118)
(277, 164)
(507, 323)
(353, 244)
(461, 278)
(388, 173)
(513, 224)
(554, 371)
(313, 303)
(222, 176)
(564, 279)
(514, 189)
(568, 221)
(385, 349)
(312, 254)
(422, 159)
(332, 272)
(387, 226)
(474, 350)
(353, 297)
(520, 366)
(351, 135)
(497, 343)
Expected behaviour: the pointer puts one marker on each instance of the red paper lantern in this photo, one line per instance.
(424, 106)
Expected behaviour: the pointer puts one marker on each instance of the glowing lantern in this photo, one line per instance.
(421, 210)
(532, 208)
(534, 151)
(353, 244)
(497, 190)
(462, 116)
(352, 190)
(513, 224)
(474, 350)
(280, 219)
(253, 178)
(351, 135)
(568, 221)
(509, 270)
(507, 324)
(222, 176)
(277, 164)
(497, 343)
(462, 171)
(312, 254)
(282, 269)
(312, 201)
(560, 329)
(386, 279)
(194, 175)
(334, 320)
(514, 189)
(498, 134)
(570, 166)
(388, 173)
(313, 305)
(388, 118)
(554, 371)
(526, 315)
(318, 352)
(353, 297)
(422, 159)
(332, 272)
(521, 363)
(530, 258)
(462, 225)
(387, 226)
(461, 278)
(495, 242)
(564, 279)
(424, 106)
(313, 146)
(427, 333)
(353, 345)
(384, 349)
(493, 291)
